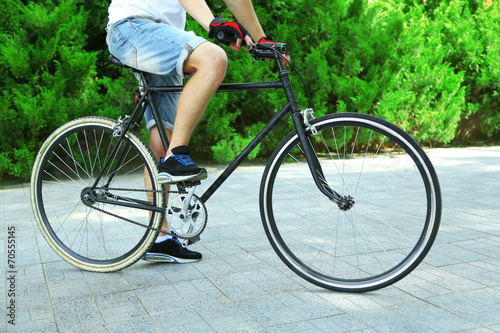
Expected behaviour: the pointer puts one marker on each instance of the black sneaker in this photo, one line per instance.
(171, 250)
(179, 167)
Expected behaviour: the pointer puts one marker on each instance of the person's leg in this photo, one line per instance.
(208, 62)
(155, 141)
(153, 47)
(156, 146)
(167, 247)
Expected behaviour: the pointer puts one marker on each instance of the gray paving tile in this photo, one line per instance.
(145, 325)
(233, 323)
(122, 327)
(123, 312)
(242, 286)
(348, 322)
(175, 320)
(34, 326)
(302, 326)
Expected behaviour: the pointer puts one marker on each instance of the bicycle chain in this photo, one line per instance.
(132, 190)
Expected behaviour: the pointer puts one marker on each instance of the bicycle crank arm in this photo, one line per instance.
(186, 215)
(185, 209)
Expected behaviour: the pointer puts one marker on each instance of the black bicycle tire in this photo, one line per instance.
(301, 269)
(43, 223)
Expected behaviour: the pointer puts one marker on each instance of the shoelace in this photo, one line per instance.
(183, 159)
(176, 240)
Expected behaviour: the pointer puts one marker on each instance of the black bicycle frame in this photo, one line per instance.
(291, 107)
(225, 87)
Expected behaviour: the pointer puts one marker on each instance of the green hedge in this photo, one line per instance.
(49, 76)
(431, 68)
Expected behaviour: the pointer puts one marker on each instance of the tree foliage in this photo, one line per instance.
(49, 76)
(429, 66)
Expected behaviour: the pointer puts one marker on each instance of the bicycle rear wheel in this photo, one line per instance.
(392, 223)
(91, 235)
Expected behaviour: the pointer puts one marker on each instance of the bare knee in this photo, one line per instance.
(218, 59)
(208, 58)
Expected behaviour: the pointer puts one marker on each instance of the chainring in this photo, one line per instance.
(189, 224)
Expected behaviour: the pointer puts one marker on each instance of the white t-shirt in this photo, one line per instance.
(168, 11)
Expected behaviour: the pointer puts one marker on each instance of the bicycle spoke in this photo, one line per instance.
(90, 234)
(370, 243)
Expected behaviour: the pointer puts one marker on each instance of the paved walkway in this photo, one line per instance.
(242, 286)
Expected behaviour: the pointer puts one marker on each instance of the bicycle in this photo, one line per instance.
(348, 201)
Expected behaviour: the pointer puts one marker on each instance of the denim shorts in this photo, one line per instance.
(158, 49)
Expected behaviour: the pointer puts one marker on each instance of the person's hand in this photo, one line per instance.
(231, 33)
(286, 54)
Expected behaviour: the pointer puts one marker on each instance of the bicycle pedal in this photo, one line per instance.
(181, 186)
(190, 241)
(191, 183)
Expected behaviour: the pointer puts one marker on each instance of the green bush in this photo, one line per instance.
(385, 58)
(429, 66)
(48, 77)
(474, 48)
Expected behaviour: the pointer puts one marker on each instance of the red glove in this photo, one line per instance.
(266, 39)
(227, 32)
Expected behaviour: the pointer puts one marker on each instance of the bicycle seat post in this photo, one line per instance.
(148, 91)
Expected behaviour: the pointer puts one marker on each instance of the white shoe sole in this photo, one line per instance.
(160, 257)
(165, 178)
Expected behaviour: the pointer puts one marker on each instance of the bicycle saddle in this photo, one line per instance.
(115, 61)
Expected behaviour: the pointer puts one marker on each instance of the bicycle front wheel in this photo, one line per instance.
(92, 235)
(395, 212)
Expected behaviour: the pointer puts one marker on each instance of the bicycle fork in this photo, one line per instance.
(302, 125)
(304, 132)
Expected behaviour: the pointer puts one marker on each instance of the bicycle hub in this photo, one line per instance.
(346, 203)
(88, 196)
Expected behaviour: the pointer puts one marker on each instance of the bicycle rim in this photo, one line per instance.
(383, 236)
(95, 236)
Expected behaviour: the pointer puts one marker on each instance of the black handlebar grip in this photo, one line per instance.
(280, 47)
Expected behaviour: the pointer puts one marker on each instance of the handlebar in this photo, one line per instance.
(258, 51)
(267, 50)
